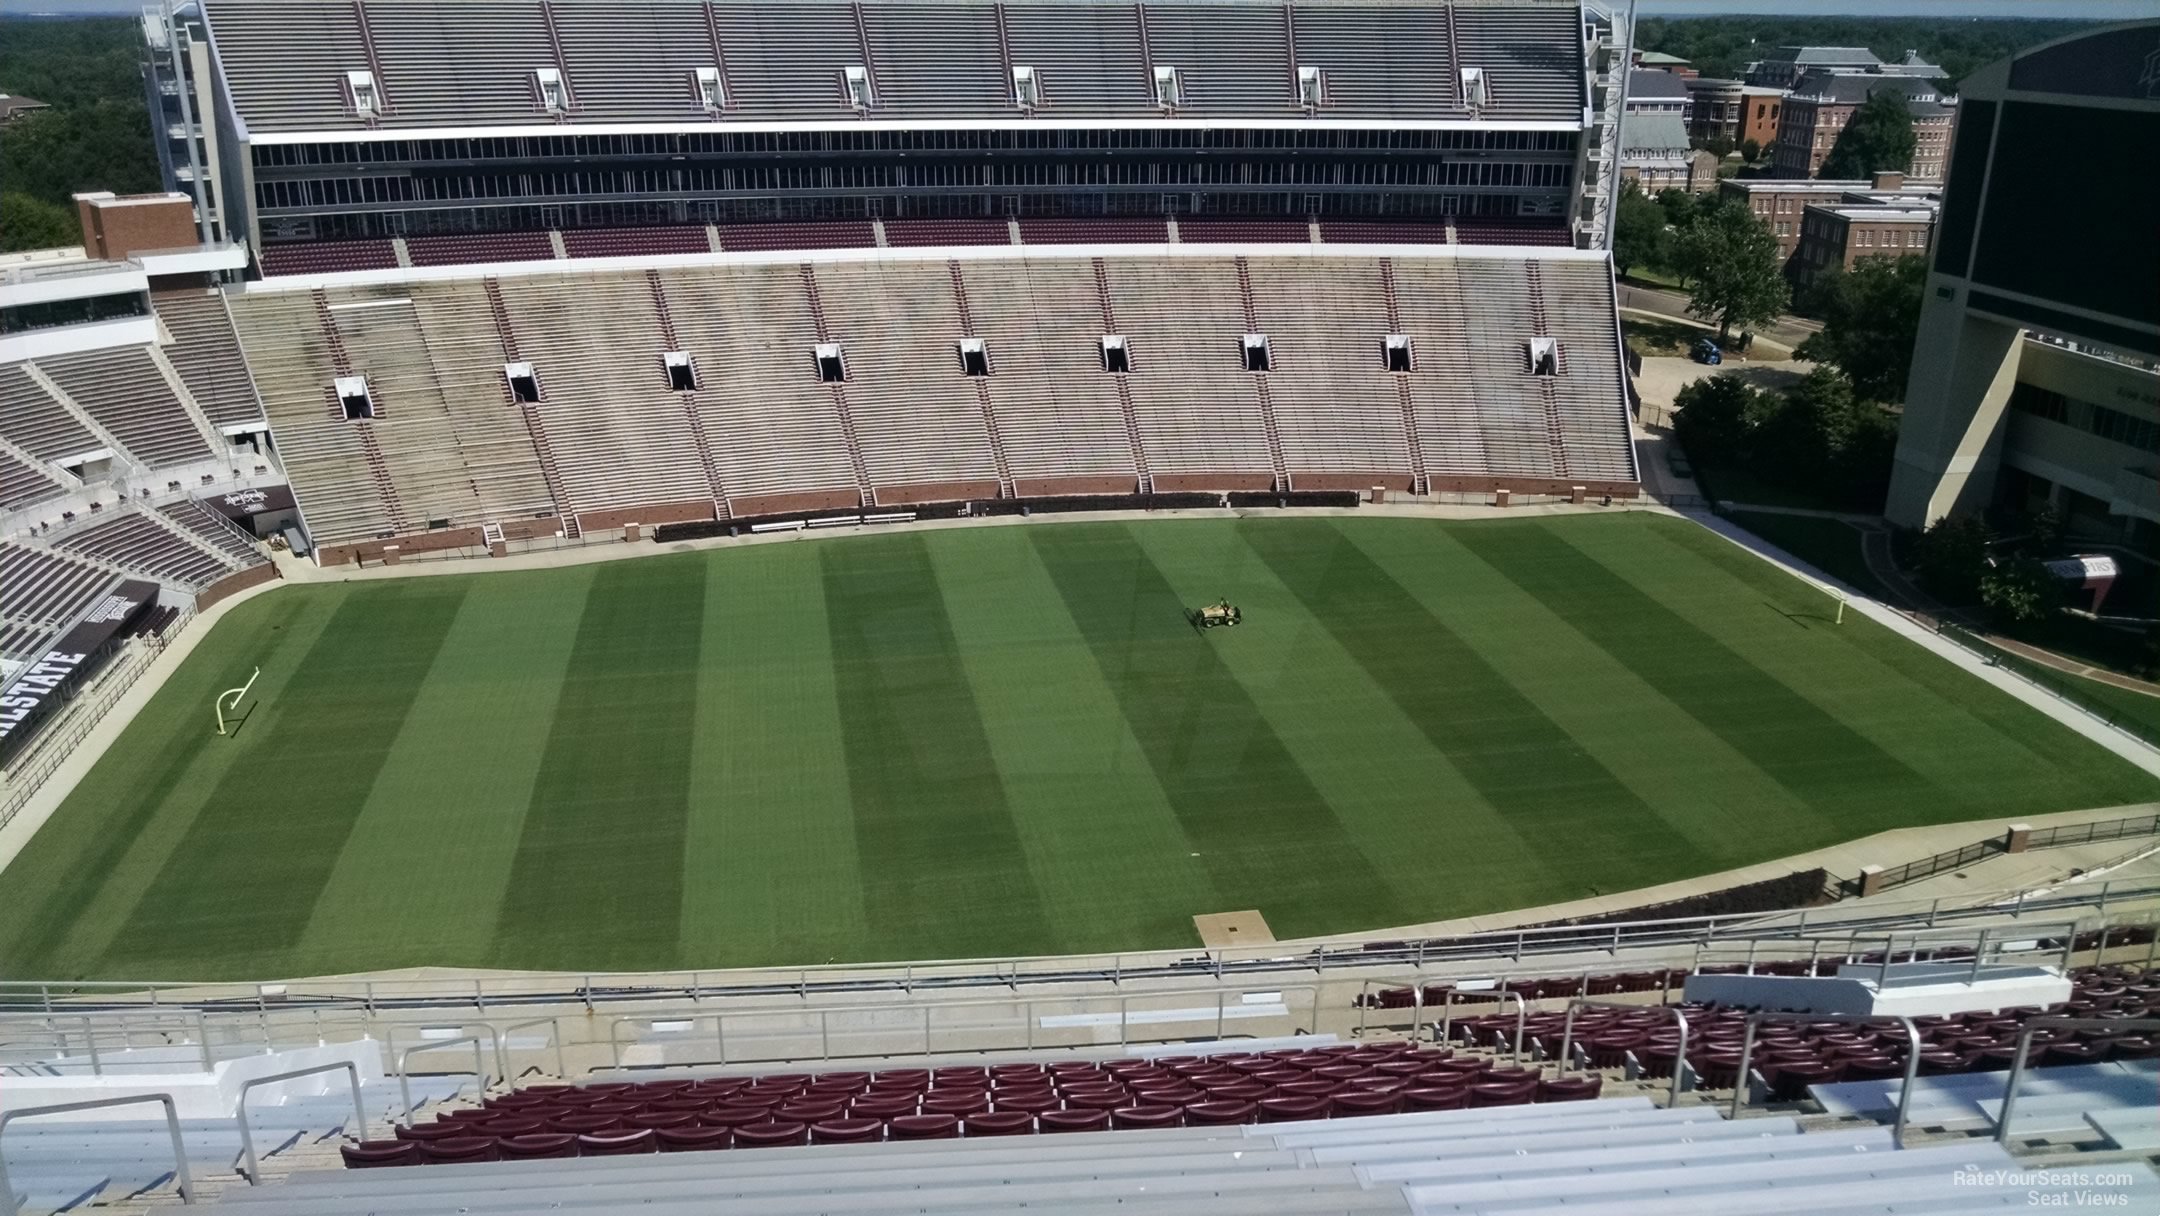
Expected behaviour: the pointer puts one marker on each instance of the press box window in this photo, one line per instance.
(1116, 359)
(1257, 356)
(681, 372)
(1395, 352)
(524, 385)
(831, 367)
(1544, 356)
(354, 398)
(974, 357)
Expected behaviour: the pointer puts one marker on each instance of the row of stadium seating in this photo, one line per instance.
(609, 433)
(334, 257)
(777, 1110)
(465, 65)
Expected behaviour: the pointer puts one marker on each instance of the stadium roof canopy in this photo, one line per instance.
(412, 65)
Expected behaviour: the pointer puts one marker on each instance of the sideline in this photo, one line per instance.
(92, 747)
(2121, 742)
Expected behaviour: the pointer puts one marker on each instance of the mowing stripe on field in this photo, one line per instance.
(83, 874)
(941, 863)
(270, 831)
(1817, 757)
(769, 862)
(598, 878)
(1115, 870)
(427, 864)
(1521, 761)
(1268, 838)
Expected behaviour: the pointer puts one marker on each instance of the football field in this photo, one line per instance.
(1002, 740)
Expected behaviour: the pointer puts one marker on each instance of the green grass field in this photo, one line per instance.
(1002, 740)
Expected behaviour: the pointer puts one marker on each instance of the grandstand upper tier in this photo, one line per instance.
(431, 406)
(416, 118)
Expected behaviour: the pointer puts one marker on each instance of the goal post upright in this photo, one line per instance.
(235, 695)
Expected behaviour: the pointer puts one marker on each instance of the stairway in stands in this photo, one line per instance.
(1124, 390)
(1420, 483)
(691, 409)
(535, 426)
(371, 452)
(1276, 460)
(982, 383)
(1555, 441)
(839, 395)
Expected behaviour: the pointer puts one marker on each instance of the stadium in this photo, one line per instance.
(641, 578)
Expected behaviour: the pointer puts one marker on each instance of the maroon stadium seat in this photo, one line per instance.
(925, 1127)
(693, 1139)
(620, 1143)
(375, 1154)
(540, 1146)
(457, 1149)
(1000, 1123)
(847, 1131)
(771, 1135)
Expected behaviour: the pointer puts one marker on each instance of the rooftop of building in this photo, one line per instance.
(1844, 88)
(1811, 56)
(12, 104)
(404, 65)
(1888, 213)
(1661, 59)
(1646, 86)
(1653, 133)
(1904, 188)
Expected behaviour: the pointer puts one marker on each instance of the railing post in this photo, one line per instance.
(824, 1030)
(1979, 953)
(1934, 908)
(247, 1135)
(183, 1176)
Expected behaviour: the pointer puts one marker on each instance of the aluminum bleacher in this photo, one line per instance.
(441, 63)
(35, 421)
(139, 541)
(206, 353)
(763, 432)
(1608, 1158)
(46, 589)
(206, 526)
(126, 393)
(24, 481)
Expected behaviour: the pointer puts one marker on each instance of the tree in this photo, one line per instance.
(1952, 557)
(1680, 207)
(1729, 259)
(1718, 146)
(2020, 592)
(1711, 417)
(31, 223)
(1877, 139)
(1751, 150)
(1871, 319)
(1638, 231)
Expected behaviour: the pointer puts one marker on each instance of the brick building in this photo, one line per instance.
(1782, 204)
(1837, 235)
(1730, 110)
(1822, 103)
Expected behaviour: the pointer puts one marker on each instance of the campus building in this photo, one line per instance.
(1781, 204)
(1812, 118)
(2037, 371)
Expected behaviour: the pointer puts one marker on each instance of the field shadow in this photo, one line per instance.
(233, 722)
(1800, 619)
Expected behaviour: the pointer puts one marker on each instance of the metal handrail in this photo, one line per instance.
(182, 1174)
(2024, 1045)
(554, 1025)
(247, 1134)
(1124, 1001)
(480, 1073)
(1679, 1065)
(1912, 1057)
(1447, 1008)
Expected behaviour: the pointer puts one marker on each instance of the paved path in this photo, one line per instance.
(1786, 331)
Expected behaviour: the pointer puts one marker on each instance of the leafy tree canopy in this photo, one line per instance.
(1724, 44)
(1729, 259)
(1877, 139)
(1638, 231)
(33, 223)
(1871, 319)
(96, 136)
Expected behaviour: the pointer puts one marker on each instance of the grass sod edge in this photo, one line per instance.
(966, 671)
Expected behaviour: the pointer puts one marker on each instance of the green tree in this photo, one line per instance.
(1751, 150)
(1877, 139)
(1638, 231)
(1871, 319)
(1679, 207)
(1711, 417)
(1952, 557)
(2020, 592)
(96, 136)
(1729, 259)
(33, 223)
